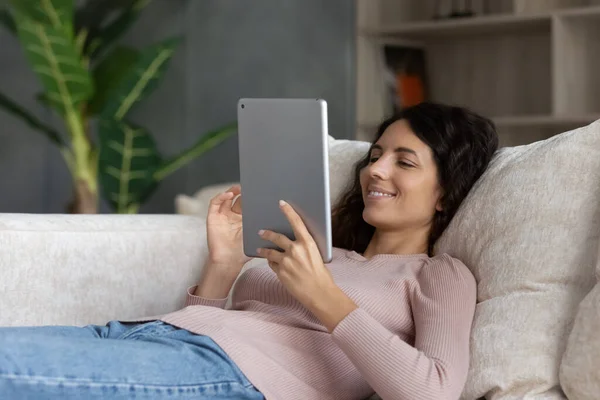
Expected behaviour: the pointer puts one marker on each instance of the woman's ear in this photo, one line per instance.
(438, 204)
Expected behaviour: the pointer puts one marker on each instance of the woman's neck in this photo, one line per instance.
(398, 242)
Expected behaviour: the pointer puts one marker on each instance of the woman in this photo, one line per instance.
(386, 315)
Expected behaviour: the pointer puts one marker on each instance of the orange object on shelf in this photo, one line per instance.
(409, 89)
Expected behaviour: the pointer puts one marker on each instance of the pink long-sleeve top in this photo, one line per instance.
(409, 338)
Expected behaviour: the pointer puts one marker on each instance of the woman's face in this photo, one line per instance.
(400, 184)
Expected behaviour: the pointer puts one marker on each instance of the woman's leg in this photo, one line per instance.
(117, 361)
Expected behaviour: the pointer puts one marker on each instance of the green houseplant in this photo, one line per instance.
(88, 78)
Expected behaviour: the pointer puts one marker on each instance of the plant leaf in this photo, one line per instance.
(100, 42)
(204, 144)
(45, 101)
(109, 73)
(140, 80)
(17, 110)
(128, 160)
(8, 22)
(80, 41)
(55, 13)
(54, 58)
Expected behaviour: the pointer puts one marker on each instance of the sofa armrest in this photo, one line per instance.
(81, 269)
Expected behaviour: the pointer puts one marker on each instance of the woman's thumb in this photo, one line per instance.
(237, 204)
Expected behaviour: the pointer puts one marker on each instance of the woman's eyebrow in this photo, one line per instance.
(396, 150)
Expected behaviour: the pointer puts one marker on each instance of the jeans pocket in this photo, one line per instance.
(140, 330)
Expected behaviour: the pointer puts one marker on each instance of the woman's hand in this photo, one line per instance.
(299, 266)
(224, 231)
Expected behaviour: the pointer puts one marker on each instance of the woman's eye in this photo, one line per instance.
(405, 164)
(373, 159)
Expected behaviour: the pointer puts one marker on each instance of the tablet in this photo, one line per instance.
(283, 150)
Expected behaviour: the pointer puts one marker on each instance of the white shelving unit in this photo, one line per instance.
(533, 66)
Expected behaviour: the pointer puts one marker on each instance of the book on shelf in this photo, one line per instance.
(404, 75)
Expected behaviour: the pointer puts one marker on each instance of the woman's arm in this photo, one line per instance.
(443, 306)
(214, 286)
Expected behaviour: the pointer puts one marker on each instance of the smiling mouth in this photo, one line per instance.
(379, 195)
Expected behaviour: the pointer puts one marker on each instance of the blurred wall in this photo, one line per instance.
(231, 49)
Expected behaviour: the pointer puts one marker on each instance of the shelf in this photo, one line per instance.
(524, 121)
(580, 12)
(490, 24)
(535, 73)
(540, 121)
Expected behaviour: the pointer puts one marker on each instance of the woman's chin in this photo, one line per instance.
(374, 217)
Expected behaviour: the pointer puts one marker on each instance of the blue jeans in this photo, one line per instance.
(152, 360)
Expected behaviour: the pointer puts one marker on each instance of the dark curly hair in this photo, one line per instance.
(462, 143)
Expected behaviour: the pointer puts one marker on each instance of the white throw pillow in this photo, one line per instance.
(529, 233)
(343, 155)
(198, 203)
(580, 367)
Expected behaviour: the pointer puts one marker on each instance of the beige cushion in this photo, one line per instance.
(580, 367)
(529, 233)
(343, 154)
(198, 203)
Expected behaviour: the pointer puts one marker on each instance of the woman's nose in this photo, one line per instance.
(379, 170)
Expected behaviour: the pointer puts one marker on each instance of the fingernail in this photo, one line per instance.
(257, 251)
(282, 203)
(261, 232)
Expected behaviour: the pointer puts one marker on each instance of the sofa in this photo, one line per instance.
(529, 232)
